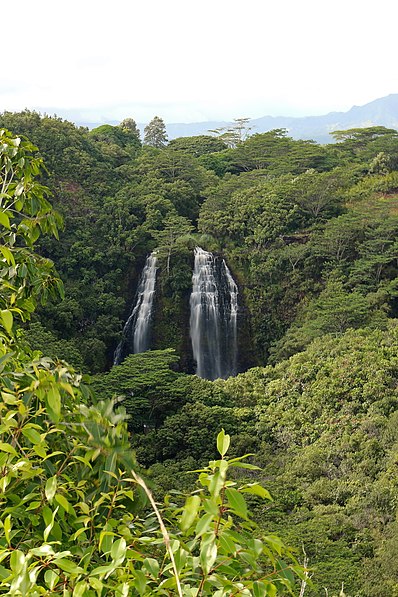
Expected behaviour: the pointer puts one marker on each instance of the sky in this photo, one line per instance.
(195, 60)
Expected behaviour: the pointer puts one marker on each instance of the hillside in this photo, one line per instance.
(309, 234)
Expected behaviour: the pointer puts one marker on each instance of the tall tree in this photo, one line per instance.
(234, 134)
(155, 133)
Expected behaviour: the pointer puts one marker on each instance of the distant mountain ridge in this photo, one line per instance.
(379, 112)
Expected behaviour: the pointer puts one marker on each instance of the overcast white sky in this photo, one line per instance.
(195, 60)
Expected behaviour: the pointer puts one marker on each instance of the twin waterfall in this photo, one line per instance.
(214, 314)
(213, 319)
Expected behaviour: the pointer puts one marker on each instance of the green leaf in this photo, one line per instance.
(152, 566)
(43, 550)
(285, 571)
(4, 220)
(51, 579)
(102, 570)
(259, 589)
(7, 319)
(236, 502)
(190, 511)
(9, 398)
(203, 524)
(50, 524)
(51, 488)
(7, 528)
(208, 555)
(53, 401)
(223, 441)
(118, 549)
(62, 501)
(80, 589)
(17, 561)
(8, 448)
(140, 581)
(9, 257)
(256, 489)
(68, 566)
(32, 435)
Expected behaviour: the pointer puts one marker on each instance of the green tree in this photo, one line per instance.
(198, 145)
(234, 134)
(130, 125)
(155, 133)
(172, 237)
(332, 312)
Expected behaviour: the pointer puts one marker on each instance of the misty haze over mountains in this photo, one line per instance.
(382, 111)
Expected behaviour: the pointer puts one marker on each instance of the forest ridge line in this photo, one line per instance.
(379, 112)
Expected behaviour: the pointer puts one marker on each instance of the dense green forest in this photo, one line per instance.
(310, 234)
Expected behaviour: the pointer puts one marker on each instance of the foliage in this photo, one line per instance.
(198, 145)
(71, 496)
(155, 133)
(150, 387)
(235, 134)
(310, 234)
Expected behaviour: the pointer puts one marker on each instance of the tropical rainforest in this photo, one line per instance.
(310, 424)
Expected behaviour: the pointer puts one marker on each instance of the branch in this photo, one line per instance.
(166, 536)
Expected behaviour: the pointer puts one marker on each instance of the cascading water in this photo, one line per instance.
(214, 314)
(137, 329)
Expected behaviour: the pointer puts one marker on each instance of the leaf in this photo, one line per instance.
(257, 489)
(190, 511)
(51, 488)
(223, 441)
(246, 465)
(8, 448)
(31, 434)
(208, 555)
(50, 524)
(237, 502)
(118, 549)
(152, 566)
(53, 401)
(140, 581)
(43, 550)
(7, 528)
(4, 220)
(7, 319)
(9, 257)
(80, 589)
(203, 524)
(68, 566)
(9, 398)
(259, 589)
(17, 561)
(102, 570)
(62, 501)
(285, 572)
(51, 579)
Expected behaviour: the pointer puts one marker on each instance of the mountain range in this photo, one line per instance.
(380, 112)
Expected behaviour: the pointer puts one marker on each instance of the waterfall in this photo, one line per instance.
(214, 314)
(137, 329)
